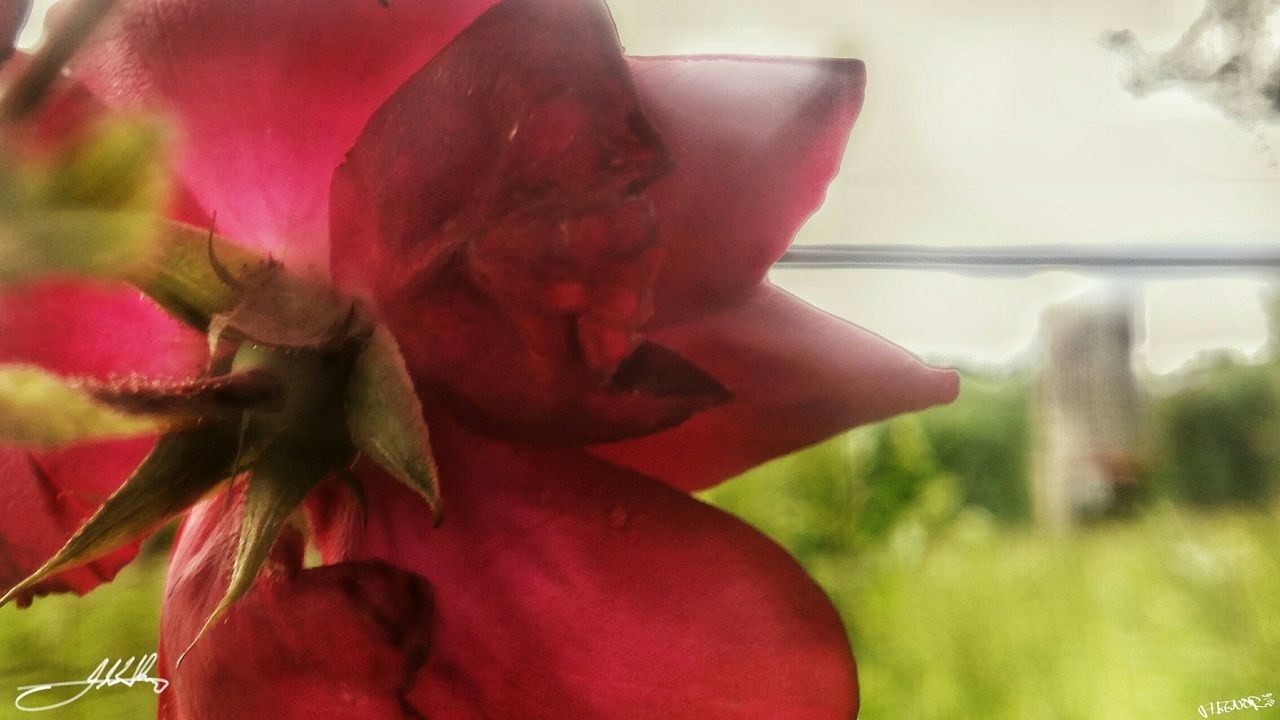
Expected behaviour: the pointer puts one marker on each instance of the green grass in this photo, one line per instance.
(61, 638)
(1143, 620)
(954, 614)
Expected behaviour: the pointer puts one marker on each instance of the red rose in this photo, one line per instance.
(569, 246)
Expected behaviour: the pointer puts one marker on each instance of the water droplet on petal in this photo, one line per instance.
(618, 516)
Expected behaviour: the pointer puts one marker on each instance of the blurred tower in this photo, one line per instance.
(1089, 412)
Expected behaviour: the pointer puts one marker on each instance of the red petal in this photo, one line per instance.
(798, 376)
(44, 498)
(488, 208)
(561, 587)
(569, 588)
(755, 142)
(77, 329)
(91, 329)
(340, 642)
(270, 94)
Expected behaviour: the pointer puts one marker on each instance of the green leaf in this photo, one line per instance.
(385, 419)
(94, 210)
(181, 469)
(41, 409)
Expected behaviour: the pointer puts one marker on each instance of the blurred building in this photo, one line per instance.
(1088, 415)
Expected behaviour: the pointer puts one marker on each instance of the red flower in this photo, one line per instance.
(569, 247)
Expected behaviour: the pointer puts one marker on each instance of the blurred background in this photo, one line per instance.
(1090, 531)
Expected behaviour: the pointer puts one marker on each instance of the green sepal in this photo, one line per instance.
(183, 275)
(280, 482)
(213, 397)
(237, 295)
(40, 409)
(385, 418)
(94, 210)
(180, 470)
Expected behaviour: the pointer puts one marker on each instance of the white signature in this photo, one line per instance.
(1222, 707)
(107, 674)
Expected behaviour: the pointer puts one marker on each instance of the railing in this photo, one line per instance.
(1024, 259)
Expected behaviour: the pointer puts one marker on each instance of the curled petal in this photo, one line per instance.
(465, 354)
(797, 375)
(569, 588)
(755, 142)
(271, 93)
(342, 642)
(494, 210)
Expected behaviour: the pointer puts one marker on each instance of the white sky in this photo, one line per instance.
(1002, 122)
(34, 29)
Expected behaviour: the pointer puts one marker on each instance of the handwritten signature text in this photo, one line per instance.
(134, 671)
(1222, 707)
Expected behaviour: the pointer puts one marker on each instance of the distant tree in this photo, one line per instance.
(1217, 435)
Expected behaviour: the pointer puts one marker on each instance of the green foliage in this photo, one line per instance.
(1217, 436)
(1135, 620)
(954, 615)
(62, 638)
(844, 495)
(806, 500)
(92, 209)
(983, 441)
(852, 491)
(1213, 444)
(958, 608)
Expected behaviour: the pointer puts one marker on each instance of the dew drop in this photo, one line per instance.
(618, 516)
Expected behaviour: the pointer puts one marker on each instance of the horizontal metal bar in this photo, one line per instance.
(1033, 258)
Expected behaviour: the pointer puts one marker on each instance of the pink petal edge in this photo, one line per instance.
(755, 143)
(270, 94)
(798, 376)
